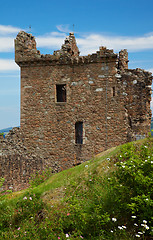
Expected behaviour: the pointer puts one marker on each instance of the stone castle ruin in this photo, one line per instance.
(73, 107)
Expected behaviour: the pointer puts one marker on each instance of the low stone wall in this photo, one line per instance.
(17, 164)
(17, 171)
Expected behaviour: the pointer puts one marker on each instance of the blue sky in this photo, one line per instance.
(116, 24)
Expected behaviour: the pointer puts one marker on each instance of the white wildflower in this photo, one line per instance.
(114, 219)
(146, 227)
(144, 221)
(119, 227)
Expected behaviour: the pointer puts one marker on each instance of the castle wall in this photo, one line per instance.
(137, 87)
(72, 108)
(100, 93)
(17, 171)
(49, 126)
(17, 163)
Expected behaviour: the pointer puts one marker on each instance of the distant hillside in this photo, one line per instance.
(151, 123)
(6, 130)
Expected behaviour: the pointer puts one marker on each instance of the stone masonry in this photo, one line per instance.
(17, 164)
(74, 107)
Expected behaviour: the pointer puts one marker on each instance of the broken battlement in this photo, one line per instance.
(26, 52)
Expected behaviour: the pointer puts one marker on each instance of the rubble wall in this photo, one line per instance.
(17, 171)
(137, 86)
(17, 164)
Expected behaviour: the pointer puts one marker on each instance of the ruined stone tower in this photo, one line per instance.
(74, 107)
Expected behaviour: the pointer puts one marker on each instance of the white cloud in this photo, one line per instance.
(8, 29)
(7, 35)
(56, 34)
(8, 65)
(52, 41)
(150, 70)
(6, 44)
(87, 43)
(90, 43)
(9, 92)
(10, 75)
(64, 28)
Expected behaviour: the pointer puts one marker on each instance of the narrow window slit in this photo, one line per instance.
(79, 132)
(113, 90)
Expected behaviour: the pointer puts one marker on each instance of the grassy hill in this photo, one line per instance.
(108, 197)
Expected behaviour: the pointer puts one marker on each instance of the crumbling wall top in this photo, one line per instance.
(123, 59)
(25, 47)
(26, 40)
(26, 52)
(69, 47)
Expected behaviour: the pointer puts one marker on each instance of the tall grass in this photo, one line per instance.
(108, 197)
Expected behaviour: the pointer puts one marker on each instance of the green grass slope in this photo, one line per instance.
(108, 197)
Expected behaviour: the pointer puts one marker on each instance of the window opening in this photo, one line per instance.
(79, 132)
(130, 122)
(61, 93)
(113, 91)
